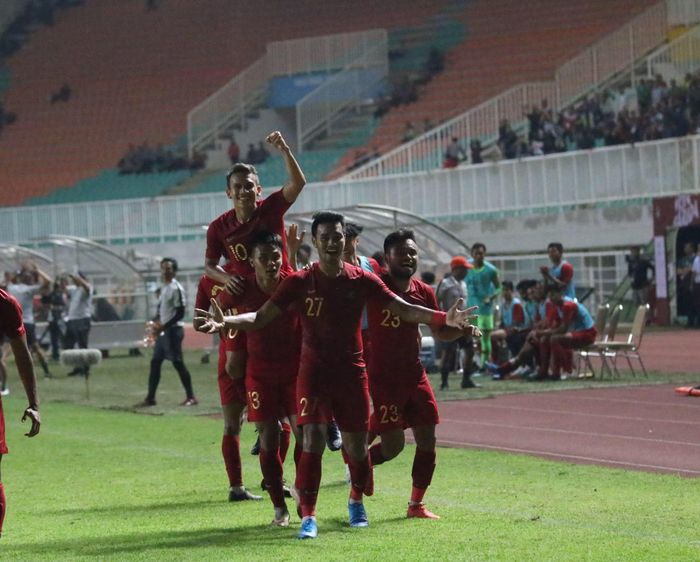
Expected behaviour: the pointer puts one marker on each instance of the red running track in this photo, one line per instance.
(639, 428)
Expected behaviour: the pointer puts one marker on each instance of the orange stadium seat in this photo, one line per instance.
(136, 74)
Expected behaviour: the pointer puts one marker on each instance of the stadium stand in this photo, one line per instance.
(132, 91)
(506, 43)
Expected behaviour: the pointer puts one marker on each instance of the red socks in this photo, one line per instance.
(3, 506)
(231, 450)
(375, 454)
(423, 468)
(297, 455)
(271, 467)
(359, 475)
(308, 481)
(285, 436)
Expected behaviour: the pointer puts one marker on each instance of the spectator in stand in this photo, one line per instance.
(639, 270)
(454, 154)
(507, 140)
(475, 149)
(409, 132)
(252, 156)
(262, 153)
(234, 151)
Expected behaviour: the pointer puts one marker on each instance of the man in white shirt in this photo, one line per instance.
(24, 290)
(169, 329)
(78, 318)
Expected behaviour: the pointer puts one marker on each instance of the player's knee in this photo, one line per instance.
(355, 449)
(314, 438)
(392, 448)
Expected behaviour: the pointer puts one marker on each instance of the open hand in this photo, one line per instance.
(210, 322)
(294, 239)
(33, 415)
(457, 318)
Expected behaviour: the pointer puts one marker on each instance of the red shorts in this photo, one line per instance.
(270, 399)
(326, 394)
(3, 445)
(582, 338)
(400, 406)
(230, 390)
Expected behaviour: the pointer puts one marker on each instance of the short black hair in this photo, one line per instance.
(306, 248)
(525, 284)
(240, 168)
(481, 245)
(171, 260)
(266, 238)
(379, 258)
(556, 246)
(326, 217)
(353, 230)
(507, 285)
(398, 236)
(554, 287)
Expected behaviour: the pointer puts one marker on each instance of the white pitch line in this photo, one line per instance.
(574, 432)
(646, 402)
(566, 456)
(491, 405)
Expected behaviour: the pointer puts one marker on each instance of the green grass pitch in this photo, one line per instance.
(109, 484)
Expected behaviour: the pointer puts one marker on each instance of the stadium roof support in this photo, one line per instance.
(11, 258)
(72, 253)
(437, 245)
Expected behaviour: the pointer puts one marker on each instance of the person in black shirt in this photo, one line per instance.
(638, 268)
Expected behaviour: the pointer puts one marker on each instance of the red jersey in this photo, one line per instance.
(230, 238)
(207, 289)
(11, 325)
(395, 343)
(273, 352)
(331, 310)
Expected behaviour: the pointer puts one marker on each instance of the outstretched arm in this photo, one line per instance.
(421, 315)
(215, 320)
(25, 366)
(297, 180)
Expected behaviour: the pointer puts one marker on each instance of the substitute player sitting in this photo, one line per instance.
(575, 329)
(332, 378)
(272, 363)
(12, 328)
(401, 393)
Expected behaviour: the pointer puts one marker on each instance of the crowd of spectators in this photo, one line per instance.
(143, 159)
(653, 110)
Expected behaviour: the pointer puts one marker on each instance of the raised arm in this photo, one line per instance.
(297, 180)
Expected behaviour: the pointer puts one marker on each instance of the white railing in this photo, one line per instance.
(533, 185)
(226, 106)
(677, 58)
(581, 74)
(319, 54)
(229, 105)
(683, 12)
(317, 110)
